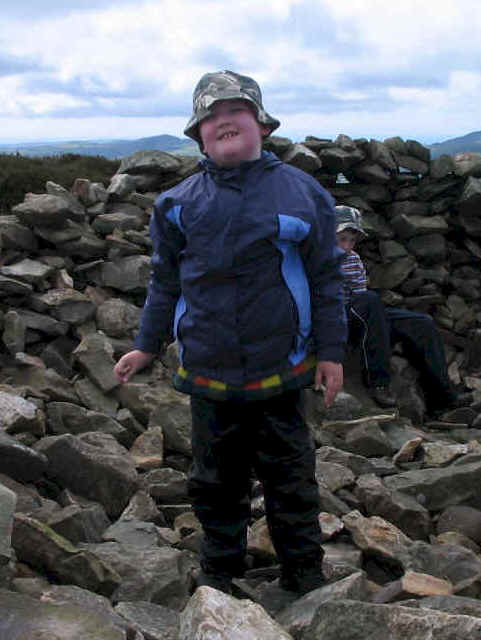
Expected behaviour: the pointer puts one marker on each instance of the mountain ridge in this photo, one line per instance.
(469, 142)
(118, 148)
(111, 149)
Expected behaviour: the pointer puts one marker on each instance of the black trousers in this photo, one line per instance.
(271, 438)
(375, 327)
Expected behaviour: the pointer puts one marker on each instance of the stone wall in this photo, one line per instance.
(75, 257)
(94, 511)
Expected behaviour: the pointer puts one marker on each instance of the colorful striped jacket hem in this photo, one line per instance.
(302, 375)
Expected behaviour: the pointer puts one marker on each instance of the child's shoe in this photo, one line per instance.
(301, 579)
(383, 397)
(219, 581)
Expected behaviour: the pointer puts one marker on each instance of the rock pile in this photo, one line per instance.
(97, 538)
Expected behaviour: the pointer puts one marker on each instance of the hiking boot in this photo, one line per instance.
(302, 579)
(455, 401)
(219, 581)
(383, 397)
(462, 400)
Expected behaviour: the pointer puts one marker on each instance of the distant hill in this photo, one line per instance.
(116, 149)
(111, 149)
(469, 142)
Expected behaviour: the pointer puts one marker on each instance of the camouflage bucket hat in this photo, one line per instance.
(349, 218)
(225, 85)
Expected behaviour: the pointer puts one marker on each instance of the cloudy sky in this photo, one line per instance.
(90, 69)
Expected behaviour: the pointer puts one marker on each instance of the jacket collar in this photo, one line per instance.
(267, 160)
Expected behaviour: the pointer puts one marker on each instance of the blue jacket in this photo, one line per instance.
(245, 272)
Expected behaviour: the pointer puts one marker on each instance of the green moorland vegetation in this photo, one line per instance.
(21, 174)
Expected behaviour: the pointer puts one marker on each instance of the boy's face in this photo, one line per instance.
(231, 134)
(347, 239)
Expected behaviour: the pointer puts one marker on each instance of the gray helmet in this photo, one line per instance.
(225, 85)
(349, 218)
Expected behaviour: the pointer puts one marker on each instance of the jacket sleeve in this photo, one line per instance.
(156, 325)
(322, 261)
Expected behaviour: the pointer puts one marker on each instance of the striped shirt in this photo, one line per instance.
(355, 277)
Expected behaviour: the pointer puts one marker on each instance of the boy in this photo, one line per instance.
(374, 326)
(246, 275)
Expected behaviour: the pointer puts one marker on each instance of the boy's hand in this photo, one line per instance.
(130, 363)
(329, 378)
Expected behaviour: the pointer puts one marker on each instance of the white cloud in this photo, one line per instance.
(321, 63)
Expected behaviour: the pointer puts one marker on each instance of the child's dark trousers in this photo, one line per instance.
(231, 442)
(375, 327)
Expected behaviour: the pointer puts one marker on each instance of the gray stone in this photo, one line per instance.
(127, 274)
(440, 488)
(100, 471)
(390, 276)
(392, 250)
(78, 523)
(280, 145)
(396, 144)
(458, 605)
(227, 618)
(45, 210)
(468, 164)
(68, 232)
(39, 546)
(149, 162)
(429, 248)
(356, 463)
(121, 185)
(65, 417)
(11, 286)
(148, 449)
(369, 440)
(300, 156)
(27, 497)
(166, 486)
(89, 193)
(442, 166)
(95, 356)
(396, 507)
(468, 205)
(461, 518)
(91, 396)
(8, 501)
(297, 617)
(66, 305)
(133, 532)
(408, 208)
(371, 172)
(382, 155)
(352, 620)
(142, 507)
(152, 574)
(118, 318)
(409, 226)
(413, 164)
(152, 620)
(25, 617)
(19, 461)
(172, 414)
(87, 247)
(335, 475)
(339, 159)
(40, 322)
(18, 414)
(461, 566)
(31, 271)
(47, 383)
(16, 235)
(57, 355)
